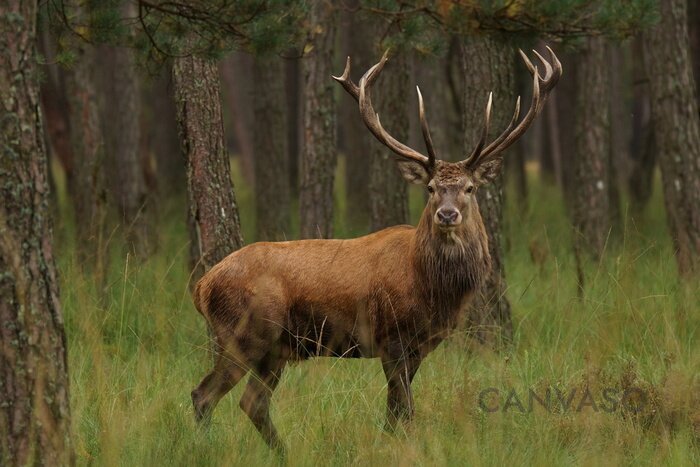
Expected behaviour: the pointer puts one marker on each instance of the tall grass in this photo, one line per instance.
(137, 348)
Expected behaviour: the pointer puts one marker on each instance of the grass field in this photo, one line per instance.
(136, 355)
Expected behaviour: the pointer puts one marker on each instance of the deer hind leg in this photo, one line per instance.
(225, 375)
(255, 401)
(399, 374)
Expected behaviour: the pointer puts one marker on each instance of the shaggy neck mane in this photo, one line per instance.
(450, 265)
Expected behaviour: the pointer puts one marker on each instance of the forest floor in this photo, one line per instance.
(621, 362)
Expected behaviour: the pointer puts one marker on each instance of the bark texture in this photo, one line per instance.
(489, 66)
(213, 211)
(121, 118)
(388, 191)
(272, 198)
(592, 153)
(674, 108)
(34, 403)
(318, 160)
(694, 34)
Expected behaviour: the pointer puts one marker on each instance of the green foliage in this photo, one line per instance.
(554, 19)
(162, 29)
(136, 354)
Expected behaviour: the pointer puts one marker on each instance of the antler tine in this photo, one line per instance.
(425, 128)
(547, 66)
(371, 119)
(346, 82)
(352, 88)
(484, 133)
(541, 86)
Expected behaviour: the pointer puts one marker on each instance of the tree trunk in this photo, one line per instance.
(318, 160)
(235, 73)
(53, 103)
(674, 108)
(620, 124)
(293, 98)
(121, 116)
(488, 66)
(354, 140)
(642, 146)
(159, 139)
(388, 191)
(592, 153)
(566, 112)
(694, 33)
(272, 198)
(87, 142)
(213, 210)
(34, 403)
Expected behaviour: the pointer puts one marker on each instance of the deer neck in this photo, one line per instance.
(451, 265)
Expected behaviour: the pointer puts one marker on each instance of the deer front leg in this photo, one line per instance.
(399, 375)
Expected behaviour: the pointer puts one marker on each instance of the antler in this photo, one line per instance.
(371, 118)
(541, 88)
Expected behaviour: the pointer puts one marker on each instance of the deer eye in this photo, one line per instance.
(431, 190)
(470, 189)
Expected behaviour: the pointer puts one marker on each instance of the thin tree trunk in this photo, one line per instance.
(87, 142)
(620, 124)
(121, 116)
(272, 198)
(591, 208)
(34, 402)
(387, 188)
(293, 97)
(159, 138)
(235, 72)
(566, 113)
(551, 147)
(488, 66)
(54, 102)
(694, 34)
(354, 139)
(319, 156)
(674, 108)
(215, 226)
(642, 145)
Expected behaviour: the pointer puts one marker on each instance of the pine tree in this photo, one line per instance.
(318, 159)
(214, 223)
(34, 412)
(674, 108)
(272, 197)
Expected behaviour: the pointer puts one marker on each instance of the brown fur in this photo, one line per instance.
(393, 294)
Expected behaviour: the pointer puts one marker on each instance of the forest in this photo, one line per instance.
(195, 193)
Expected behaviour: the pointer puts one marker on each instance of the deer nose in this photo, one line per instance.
(447, 216)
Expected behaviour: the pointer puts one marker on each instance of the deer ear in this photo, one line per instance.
(487, 171)
(414, 172)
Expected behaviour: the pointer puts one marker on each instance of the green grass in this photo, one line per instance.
(136, 353)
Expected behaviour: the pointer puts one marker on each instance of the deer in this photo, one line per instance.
(394, 294)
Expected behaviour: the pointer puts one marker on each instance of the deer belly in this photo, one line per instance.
(328, 335)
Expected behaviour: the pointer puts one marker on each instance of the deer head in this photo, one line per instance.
(452, 185)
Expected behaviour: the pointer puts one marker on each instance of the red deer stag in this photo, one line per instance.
(392, 295)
